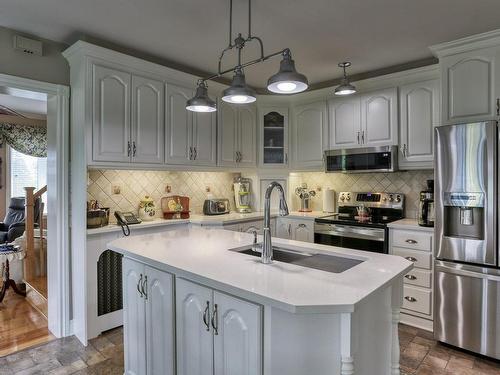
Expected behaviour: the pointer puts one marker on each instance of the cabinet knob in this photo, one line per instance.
(410, 241)
(302, 225)
(411, 259)
(410, 299)
(411, 277)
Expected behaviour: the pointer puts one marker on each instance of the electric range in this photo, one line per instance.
(361, 221)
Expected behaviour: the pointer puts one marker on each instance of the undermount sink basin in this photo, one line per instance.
(323, 262)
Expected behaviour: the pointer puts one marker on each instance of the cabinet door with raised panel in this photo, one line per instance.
(148, 120)
(470, 86)
(134, 318)
(227, 134)
(179, 126)
(160, 333)
(238, 338)
(419, 103)
(110, 115)
(247, 136)
(344, 119)
(205, 139)
(379, 118)
(283, 228)
(303, 231)
(310, 135)
(193, 332)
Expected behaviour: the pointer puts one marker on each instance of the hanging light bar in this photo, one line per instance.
(345, 87)
(286, 81)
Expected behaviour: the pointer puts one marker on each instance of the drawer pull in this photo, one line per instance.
(410, 299)
(411, 259)
(410, 241)
(411, 277)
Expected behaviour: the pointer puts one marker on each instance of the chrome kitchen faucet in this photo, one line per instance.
(267, 247)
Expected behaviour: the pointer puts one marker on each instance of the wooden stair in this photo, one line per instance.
(36, 294)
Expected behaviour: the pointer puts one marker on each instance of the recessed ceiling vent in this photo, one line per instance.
(27, 45)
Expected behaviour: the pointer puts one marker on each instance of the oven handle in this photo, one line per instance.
(375, 234)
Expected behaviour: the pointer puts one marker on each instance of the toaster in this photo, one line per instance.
(216, 206)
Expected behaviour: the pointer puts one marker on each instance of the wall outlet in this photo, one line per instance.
(168, 189)
(207, 189)
(116, 189)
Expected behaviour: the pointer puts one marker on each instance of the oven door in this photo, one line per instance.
(350, 236)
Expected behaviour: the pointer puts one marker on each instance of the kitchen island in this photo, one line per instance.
(192, 306)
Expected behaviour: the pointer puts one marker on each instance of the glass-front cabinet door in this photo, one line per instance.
(273, 137)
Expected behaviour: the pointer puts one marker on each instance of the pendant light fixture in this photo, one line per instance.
(286, 81)
(345, 88)
(201, 102)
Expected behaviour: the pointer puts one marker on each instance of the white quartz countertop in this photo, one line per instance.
(409, 224)
(201, 255)
(145, 224)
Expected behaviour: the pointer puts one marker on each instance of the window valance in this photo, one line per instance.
(28, 139)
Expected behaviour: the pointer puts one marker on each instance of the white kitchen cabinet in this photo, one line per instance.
(216, 332)
(237, 342)
(283, 228)
(309, 135)
(237, 135)
(344, 117)
(205, 139)
(379, 118)
(273, 137)
(148, 120)
(251, 226)
(110, 114)
(194, 333)
(148, 320)
(295, 229)
(420, 113)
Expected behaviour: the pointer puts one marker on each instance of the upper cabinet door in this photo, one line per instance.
(420, 113)
(179, 126)
(160, 332)
(205, 139)
(310, 135)
(110, 115)
(227, 125)
(148, 120)
(238, 342)
(273, 137)
(247, 136)
(471, 83)
(344, 122)
(194, 337)
(379, 118)
(134, 317)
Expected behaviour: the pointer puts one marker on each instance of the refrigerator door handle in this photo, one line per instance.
(468, 271)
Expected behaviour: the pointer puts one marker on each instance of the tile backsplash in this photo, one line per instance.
(134, 185)
(409, 183)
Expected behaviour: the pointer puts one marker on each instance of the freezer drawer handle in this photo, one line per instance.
(410, 299)
(411, 277)
(411, 259)
(410, 241)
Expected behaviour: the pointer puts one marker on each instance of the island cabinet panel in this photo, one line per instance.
(237, 343)
(148, 320)
(194, 333)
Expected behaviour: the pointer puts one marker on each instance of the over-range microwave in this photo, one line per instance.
(358, 160)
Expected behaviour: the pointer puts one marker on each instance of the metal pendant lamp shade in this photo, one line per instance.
(201, 102)
(345, 87)
(239, 92)
(287, 80)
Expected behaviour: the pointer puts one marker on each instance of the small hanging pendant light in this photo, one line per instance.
(345, 88)
(287, 80)
(201, 102)
(239, 92)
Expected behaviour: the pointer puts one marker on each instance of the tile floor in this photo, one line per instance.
(420, 355)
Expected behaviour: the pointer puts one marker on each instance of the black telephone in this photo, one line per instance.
(124, 219)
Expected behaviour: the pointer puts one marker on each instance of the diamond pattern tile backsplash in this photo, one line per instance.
(134, 185)
(409, 183)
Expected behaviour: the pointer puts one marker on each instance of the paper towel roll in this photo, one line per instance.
(328, 200)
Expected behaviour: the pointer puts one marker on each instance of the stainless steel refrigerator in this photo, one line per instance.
(467, 274)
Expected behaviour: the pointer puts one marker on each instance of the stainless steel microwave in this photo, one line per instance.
(358, 160)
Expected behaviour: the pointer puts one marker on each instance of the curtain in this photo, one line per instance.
(28, 139)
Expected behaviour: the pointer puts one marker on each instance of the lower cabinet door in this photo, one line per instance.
(283, 228)
(194, 333)
(303, 232)
(238, 337)
(160, 338)
(134, 318)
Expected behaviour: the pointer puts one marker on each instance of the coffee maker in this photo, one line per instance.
(426, 206)
(242, 194)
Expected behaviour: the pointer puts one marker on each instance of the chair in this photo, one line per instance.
(13, 223)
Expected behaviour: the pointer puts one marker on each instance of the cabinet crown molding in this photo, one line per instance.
(469, 43)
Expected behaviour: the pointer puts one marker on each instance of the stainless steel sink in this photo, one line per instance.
(323, 262)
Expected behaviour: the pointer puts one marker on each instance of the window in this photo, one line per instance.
(25, 170)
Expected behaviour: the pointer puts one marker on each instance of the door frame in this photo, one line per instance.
(58, 251)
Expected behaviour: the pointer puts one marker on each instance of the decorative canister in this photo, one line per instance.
(147, 209)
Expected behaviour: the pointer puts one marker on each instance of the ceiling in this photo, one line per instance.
(373, 34)
(32, 107)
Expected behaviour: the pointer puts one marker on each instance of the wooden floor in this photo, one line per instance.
(40, 284)
(21, 325)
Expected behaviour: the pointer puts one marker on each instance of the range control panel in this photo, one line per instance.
(369, 199)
